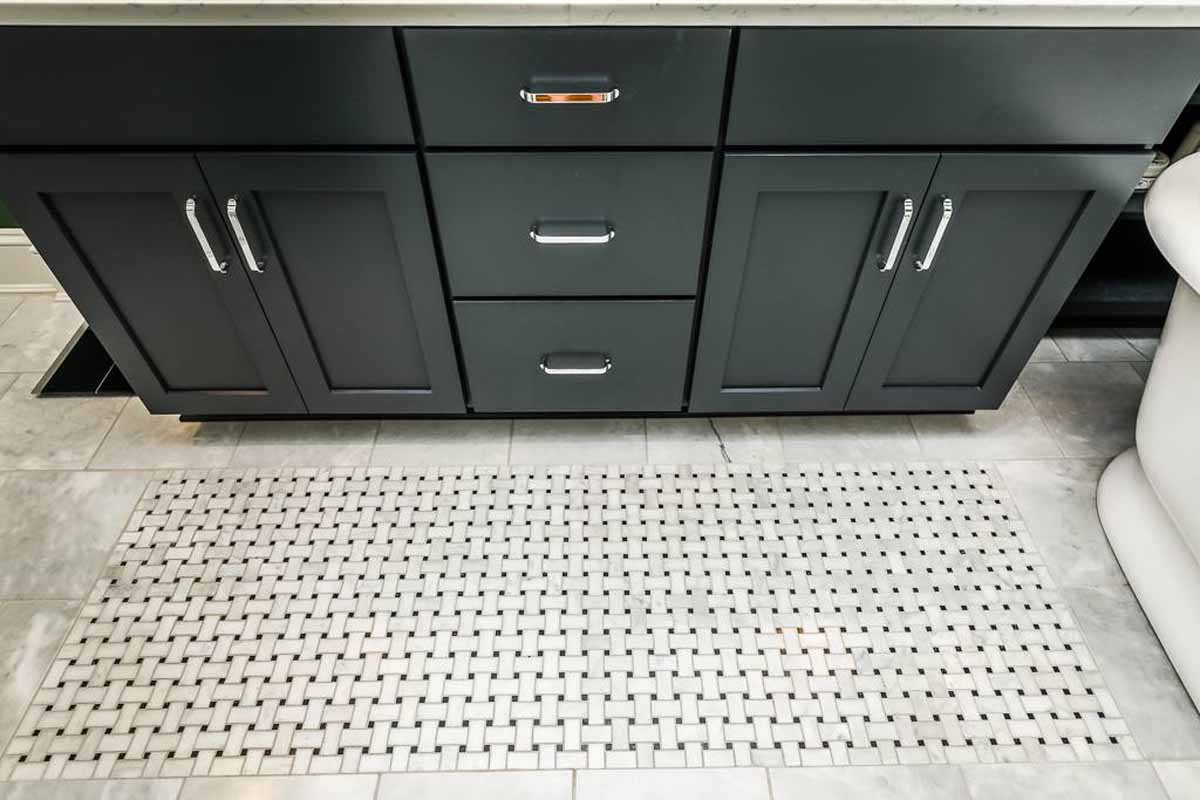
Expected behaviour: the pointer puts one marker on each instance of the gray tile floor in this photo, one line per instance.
(71, 470)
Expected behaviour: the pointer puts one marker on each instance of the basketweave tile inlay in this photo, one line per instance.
(316, 621)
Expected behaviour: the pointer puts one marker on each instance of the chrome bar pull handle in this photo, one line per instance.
(189, 208)
(239, 233)
(572, 233)
(575, 364)
(926, 263)
(906, 215)
(569, 98)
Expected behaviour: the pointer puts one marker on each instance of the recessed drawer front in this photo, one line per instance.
(575, 355)
(923, 87)
(555, 224)
(568, 86)
(201, 86)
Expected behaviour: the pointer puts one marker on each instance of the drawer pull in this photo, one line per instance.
(568, 98)
(906, 216)
(189, 208)
(239, 233)
(559, 233)
(575, 364)
(926, 263)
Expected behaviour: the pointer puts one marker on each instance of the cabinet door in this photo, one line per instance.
(797, 275)
(1019, 230)
(342, 259)
(115, 230)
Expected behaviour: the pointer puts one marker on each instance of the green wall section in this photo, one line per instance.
(6, 219)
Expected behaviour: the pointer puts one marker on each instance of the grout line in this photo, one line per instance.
(1158, 779)
(11, 314)
(770, 785)
(104, 438)
(721, 442)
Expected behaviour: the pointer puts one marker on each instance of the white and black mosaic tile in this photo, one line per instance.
(369, 620)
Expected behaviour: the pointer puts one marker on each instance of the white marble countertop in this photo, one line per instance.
(959, 13)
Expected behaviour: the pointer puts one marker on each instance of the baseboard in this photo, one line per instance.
(14, 237)
(29, 288)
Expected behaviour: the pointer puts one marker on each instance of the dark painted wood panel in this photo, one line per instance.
(504, 344)
(114, 232)
(794, 284)
(468, 82)
(349, 279)
(654, 204)
(960, 86)
(201, 86)
(1024, 225)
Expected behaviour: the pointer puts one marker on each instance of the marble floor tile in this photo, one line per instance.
(578, 441)
(57, 528)
(307, 787)
(141, 440)
(36, 332)
(743, 783)
(534, 785)
(1090, 408)
(306, 444)
(1057, 500)
(1094, 344)
(1012, 431)
(1130, 780)
(1143, 368)
(750, 440)
(1046, 350)
(1181, 778)
(158, 789)
(848, 438)
(935, 782)
(52, 433)
(30, 634)
(8, 304)
(7, 380)
(403, 443)
(682, 441)
(1161, 716)
(1144, 340)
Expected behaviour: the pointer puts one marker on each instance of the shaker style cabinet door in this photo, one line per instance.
(137, 243)
(1002, 237)
(339, 249)
(804, 250)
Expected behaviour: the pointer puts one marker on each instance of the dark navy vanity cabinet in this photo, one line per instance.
(286, 221)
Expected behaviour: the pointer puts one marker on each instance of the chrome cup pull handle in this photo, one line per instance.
(189, 209)
(568, 98)
(567, 233)
(575, 364)
(239, 233)
(926, 263)
(906, 215)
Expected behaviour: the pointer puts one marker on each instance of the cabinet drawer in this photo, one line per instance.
(649, 86)
(921, 86)
(201, 86)
(575, 355)
(571, 223)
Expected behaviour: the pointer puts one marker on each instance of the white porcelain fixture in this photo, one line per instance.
(1149, 497)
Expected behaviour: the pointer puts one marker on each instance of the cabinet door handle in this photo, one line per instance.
(906, 215)
(189, 208)
(572, 233)
(570, 98)
(239, 233)
(926, 263)
(575, 364)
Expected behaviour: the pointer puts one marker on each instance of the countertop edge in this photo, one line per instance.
(931, 13)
